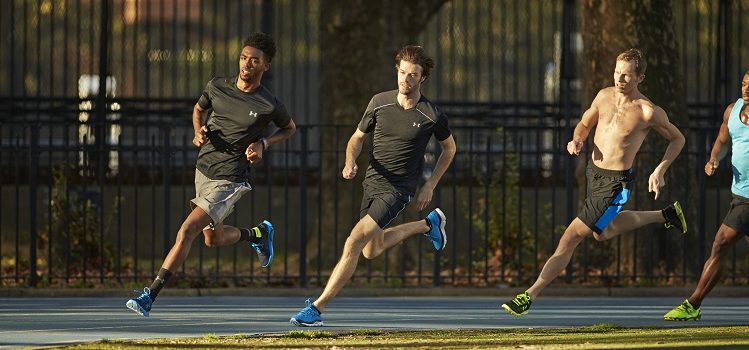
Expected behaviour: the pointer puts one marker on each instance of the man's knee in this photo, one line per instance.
(209, 238)
(370, 252)
(187, 232)
(355, 243)
(724, 240)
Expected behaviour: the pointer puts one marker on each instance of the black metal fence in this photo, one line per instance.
(94, 182)
(74, 219)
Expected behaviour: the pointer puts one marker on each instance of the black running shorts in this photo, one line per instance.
(608, 192)
(382, 205)
(738, 215)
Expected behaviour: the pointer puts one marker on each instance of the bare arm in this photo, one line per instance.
(587, 122)
(199, 117)
(353, 149)
(443, 162)
(675, 138)
(256, 149)
(720, 148)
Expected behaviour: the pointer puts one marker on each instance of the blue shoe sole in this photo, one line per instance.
(271, 233)
(133, 305)
(302, 324)
(443, 219)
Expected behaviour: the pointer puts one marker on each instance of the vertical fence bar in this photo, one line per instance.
(166, 154)
(566, 72)
(33, 171)
(303, 208)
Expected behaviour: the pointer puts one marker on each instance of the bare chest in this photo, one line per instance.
(744, 115)
(620, 121)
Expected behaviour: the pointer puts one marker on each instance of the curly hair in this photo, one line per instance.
(262, 42)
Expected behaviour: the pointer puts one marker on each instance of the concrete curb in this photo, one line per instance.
(502, 292)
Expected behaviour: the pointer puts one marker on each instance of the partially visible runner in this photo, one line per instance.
(734, 132)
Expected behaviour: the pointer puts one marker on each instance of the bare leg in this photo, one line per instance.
(627, 221)
(362, 233)
(190, 229)
(711, 273)
(221, 235)
(392, 236)
(573, 235)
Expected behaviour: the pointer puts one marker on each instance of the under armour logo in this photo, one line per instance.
(253, 114)
(417, 125)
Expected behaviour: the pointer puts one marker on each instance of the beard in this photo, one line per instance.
(407, 90)
(249, 77)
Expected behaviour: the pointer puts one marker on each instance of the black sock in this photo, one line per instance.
(252, 235)
(244, 235)
(694, 305)
(161, 278)
(663, 212)
(429, 224)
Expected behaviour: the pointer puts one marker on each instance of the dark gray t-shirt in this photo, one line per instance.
(238, 119)
(400, 140)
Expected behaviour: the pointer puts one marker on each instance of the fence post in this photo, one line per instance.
(566, 73)
(303, 207)
(100, 121)
(33, 171)
(166, 154)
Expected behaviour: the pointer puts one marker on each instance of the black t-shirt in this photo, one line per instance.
(238, 119)
(400, 140)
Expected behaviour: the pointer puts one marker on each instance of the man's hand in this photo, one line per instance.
(349, 171)
(424, 197)
(710, 166)
(574, 147)
(655, 182)
(254, 152)
(200, 136)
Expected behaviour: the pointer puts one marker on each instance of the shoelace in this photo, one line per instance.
(308, 311)
(521, 299)
(685, 307)
(146, 290)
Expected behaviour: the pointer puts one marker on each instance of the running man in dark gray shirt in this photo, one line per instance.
(230, 141)
(402, 122)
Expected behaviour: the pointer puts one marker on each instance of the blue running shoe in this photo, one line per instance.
(307, 317)
(141, 304)
(436, 232)
(264, 248)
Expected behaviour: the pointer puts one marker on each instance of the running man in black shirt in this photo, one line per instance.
(230, 141)
(402, 121)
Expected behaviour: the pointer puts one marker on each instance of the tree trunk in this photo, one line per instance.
(608, 28)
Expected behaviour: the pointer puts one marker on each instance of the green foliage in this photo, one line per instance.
(506, 240)
(76, 226)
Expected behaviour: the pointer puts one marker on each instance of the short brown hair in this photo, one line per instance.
(415, 55)
(635, 56)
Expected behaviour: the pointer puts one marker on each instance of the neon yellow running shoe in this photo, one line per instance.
(519, 305)
(675, 217)
(683, 312)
